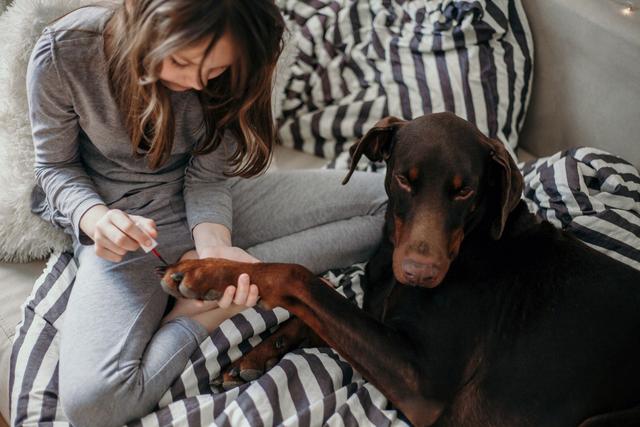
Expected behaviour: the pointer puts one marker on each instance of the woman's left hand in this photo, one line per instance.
(210, 314)
(234, 299)
(239, 297)
(244, 294)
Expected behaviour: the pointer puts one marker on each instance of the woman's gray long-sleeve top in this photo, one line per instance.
(83, 154)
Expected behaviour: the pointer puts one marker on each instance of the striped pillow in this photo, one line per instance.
(359, 61)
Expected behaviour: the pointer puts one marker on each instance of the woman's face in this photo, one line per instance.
(179, 70)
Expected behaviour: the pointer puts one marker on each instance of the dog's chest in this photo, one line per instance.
(444, 327)
(448, 326)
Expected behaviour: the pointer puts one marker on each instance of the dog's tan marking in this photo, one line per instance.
(397, 232)
(457, 236)
(413, 174)
(457, 182)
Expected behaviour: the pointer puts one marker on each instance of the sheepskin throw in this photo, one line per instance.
(23, 236)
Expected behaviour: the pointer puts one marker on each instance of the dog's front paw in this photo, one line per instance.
(202, 279)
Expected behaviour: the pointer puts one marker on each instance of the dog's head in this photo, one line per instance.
(444, 179)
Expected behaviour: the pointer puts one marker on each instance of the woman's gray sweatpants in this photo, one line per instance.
(115, 363)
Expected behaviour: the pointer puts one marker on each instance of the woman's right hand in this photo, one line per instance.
(115, 232)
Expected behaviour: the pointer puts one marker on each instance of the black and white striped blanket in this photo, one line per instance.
(359, 61)
(586, 191)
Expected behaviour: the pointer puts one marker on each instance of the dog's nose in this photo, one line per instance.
(417, 273)
(177, 277)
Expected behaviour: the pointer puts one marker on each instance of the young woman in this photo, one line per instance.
(153, 117)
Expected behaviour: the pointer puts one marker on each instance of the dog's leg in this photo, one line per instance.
(382, 355)
(626, 418)
(291, 335)
(378, 280)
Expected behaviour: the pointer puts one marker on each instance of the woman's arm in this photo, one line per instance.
(211, 235)
(208, 204)
(214, 241)
(55, 129)
(207, 196)
(59, 170)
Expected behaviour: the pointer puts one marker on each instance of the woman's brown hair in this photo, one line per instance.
(141, 33)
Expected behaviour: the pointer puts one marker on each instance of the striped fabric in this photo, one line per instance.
(589, 192)
(592, 194)
(359, 61)
(308, 387)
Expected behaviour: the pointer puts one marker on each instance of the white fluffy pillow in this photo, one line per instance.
(23, 236)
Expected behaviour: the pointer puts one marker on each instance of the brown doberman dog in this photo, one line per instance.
(476, 313)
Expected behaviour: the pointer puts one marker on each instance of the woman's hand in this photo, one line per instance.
(228, 252)
(244, 294)
(238, 298)
(115, 232)
(214, 241)
(234, 300)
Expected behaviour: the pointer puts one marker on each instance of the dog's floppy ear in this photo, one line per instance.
(376, 144)
(507, 178)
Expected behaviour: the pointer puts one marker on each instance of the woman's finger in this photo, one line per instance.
(252, 298)
(105, 253)
(242, 290)
(227, 297)
(118, 237)
(135, 235)
(146, 224)
(101, 240)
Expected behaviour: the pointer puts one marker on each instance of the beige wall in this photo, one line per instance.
(586, 87)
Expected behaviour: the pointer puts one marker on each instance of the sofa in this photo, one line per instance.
(585, 92)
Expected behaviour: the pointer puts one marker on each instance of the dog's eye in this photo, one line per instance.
(403, 182)
(463, 193)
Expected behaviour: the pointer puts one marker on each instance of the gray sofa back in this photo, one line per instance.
(586, 84)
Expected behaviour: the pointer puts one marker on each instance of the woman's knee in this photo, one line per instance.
(378, 197)
(87, 402)
(91, 398)
(367, 190)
